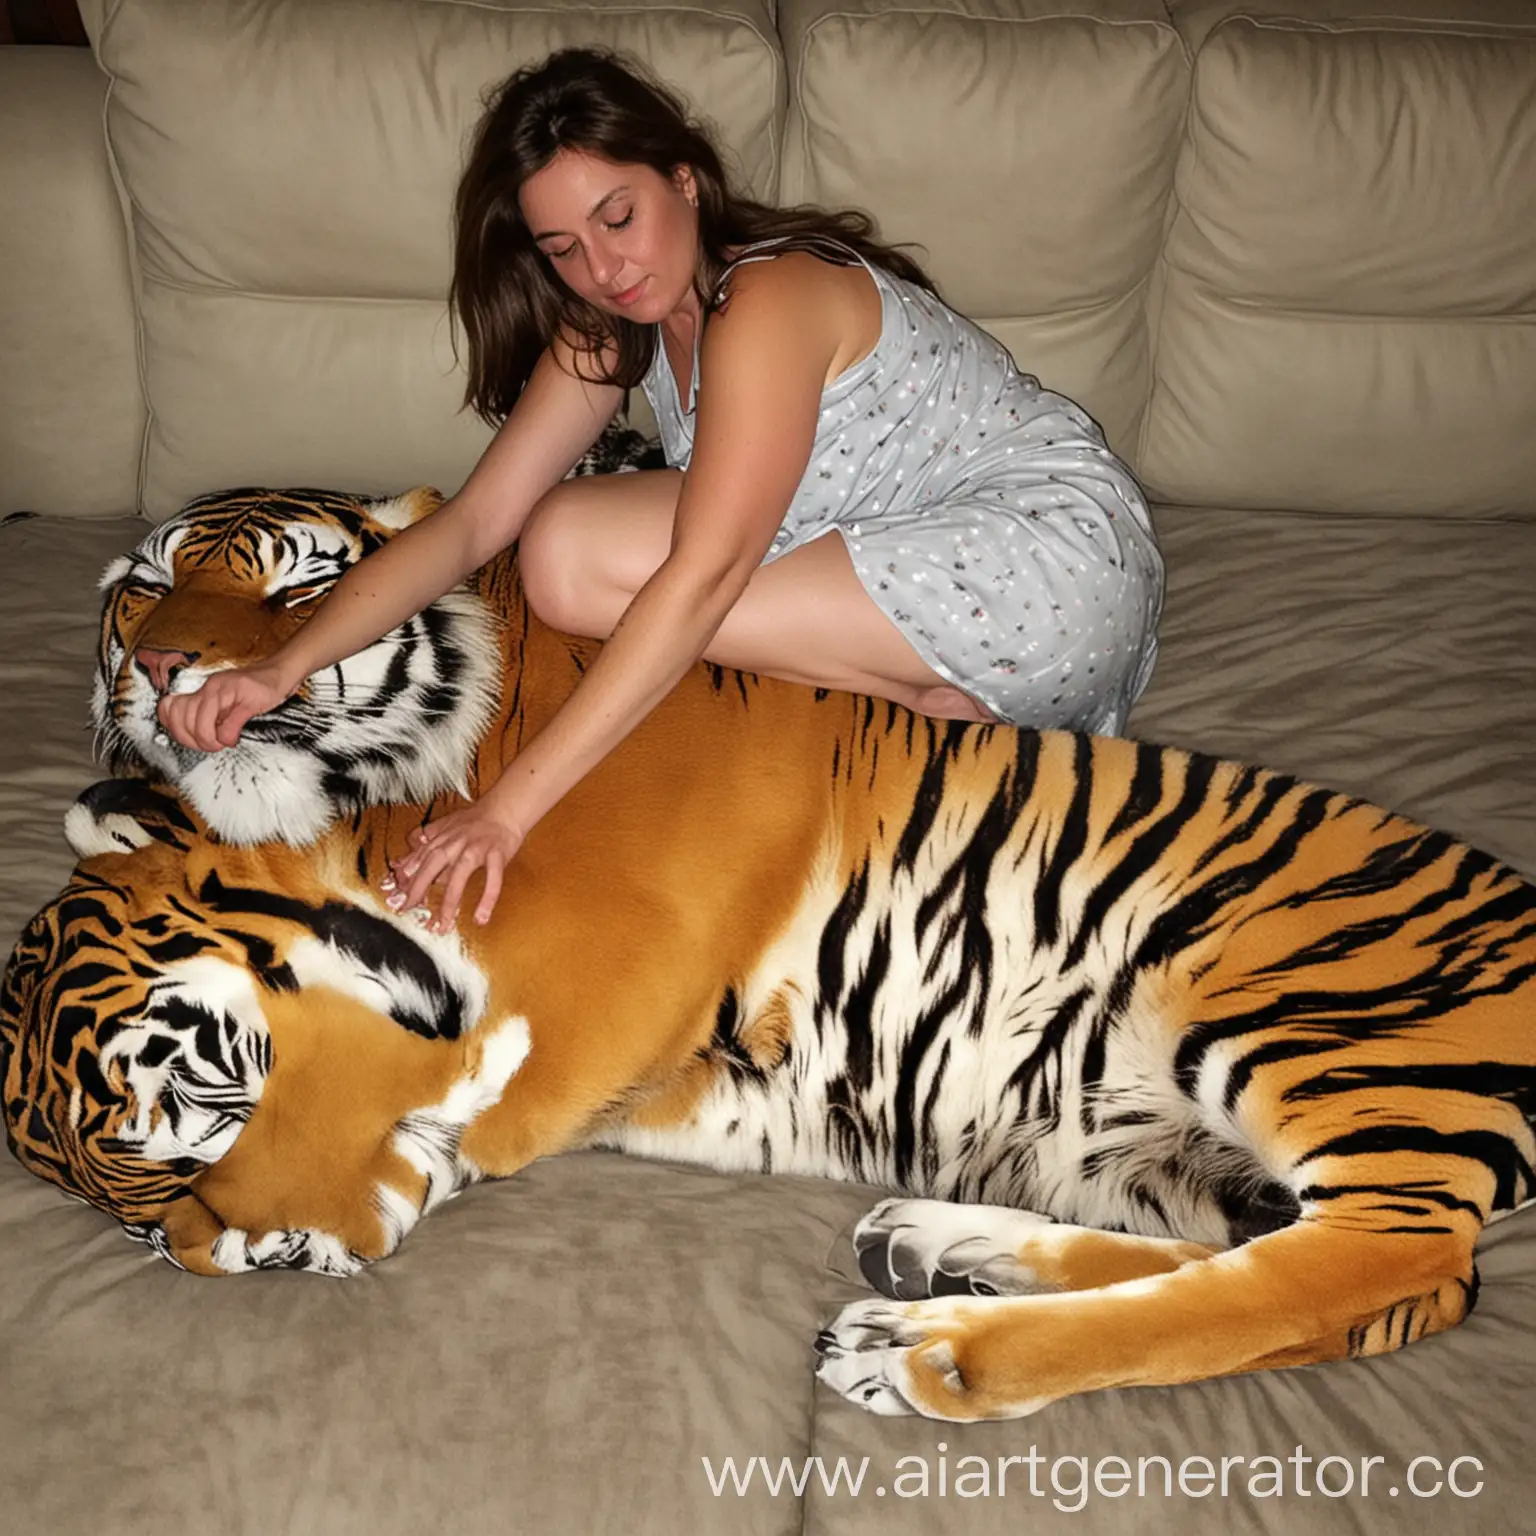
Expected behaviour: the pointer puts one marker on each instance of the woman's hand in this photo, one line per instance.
(213, 717)
(452, 848)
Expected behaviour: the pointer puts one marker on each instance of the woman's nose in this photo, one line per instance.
(604, 266)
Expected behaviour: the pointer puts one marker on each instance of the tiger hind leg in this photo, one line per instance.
(1317, 1290)
(909, 1249)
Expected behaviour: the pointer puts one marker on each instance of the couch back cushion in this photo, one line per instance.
(288, 170)
(71, 412)
(1345, 318)
(1027, 146)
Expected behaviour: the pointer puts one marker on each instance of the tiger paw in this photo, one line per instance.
(885, 1358)
(909, 1249)
(308, 1248)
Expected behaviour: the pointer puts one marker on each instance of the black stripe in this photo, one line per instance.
(1146, 852)
(1417, 1189)
(1145, 791)
(1287, 1048)
(1274, 788)
(1389, 867)
(1496, 1153)
(1070, 842)
(1048, 1049)
(904, 1100)
(377, 946)
(1189, 919)
(1499, 911)
(930, 1139)
(1486, 1079)
(1095, 1050)
(831, 952)
(858, 1012)
(1431, 993)
(929, 796)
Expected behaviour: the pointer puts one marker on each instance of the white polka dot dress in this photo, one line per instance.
(983, 514)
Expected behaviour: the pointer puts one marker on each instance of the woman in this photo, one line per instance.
(995, 561)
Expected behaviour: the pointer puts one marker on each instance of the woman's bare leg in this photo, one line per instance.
(592, 543)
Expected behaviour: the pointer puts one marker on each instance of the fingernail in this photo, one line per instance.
(396, 901)
(387, 883)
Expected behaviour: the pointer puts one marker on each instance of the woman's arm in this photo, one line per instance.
(556, 419)
(762, 367)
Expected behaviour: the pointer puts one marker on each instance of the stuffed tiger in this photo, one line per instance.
(1174, 1067)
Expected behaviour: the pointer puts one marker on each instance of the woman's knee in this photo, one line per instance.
(591, 543)
(550, 561)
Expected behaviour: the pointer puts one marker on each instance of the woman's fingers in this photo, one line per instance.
(185, 713)
(468, 861)
(208, 720)
(450, 851)
(495, 863)
(428, 866)
(214, 716)
(192, 718)
(421, 839)
(205, 711)
(171, 713)
(454, 862)
(231, 721)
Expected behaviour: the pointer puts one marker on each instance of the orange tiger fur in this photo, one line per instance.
(1264, 1054)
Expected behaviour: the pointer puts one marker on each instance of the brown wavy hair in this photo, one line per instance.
(506, 296)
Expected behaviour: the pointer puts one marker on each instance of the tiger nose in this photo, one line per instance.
(161, 667)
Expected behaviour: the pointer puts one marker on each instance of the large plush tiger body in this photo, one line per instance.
(1175, 1067)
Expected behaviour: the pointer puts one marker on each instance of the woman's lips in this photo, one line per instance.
(629, 295)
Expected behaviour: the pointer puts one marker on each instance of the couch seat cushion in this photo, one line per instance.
(1391, 659)
(570, 1344)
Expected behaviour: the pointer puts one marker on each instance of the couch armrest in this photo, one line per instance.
(71, 407)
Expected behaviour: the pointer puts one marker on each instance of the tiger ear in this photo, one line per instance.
(401, 511)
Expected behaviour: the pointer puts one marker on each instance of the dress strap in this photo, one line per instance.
(779, 245)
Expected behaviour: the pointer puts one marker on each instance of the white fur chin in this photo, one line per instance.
(273, 794)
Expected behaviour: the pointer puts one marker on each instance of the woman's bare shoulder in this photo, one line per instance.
(837, 305)
(794, 276)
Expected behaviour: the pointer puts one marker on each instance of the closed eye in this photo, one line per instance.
(297, 596)
(571, 249)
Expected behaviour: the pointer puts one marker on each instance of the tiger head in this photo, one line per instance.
(227, 581)
(131, 1052)
(147, 1011)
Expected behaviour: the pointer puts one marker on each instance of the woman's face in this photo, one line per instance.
(621, 236)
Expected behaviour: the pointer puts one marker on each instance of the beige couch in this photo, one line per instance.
(1290, 265)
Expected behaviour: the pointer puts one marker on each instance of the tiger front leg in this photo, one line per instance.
(1315, 1291)
(355, 1139)
(908, 1249)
